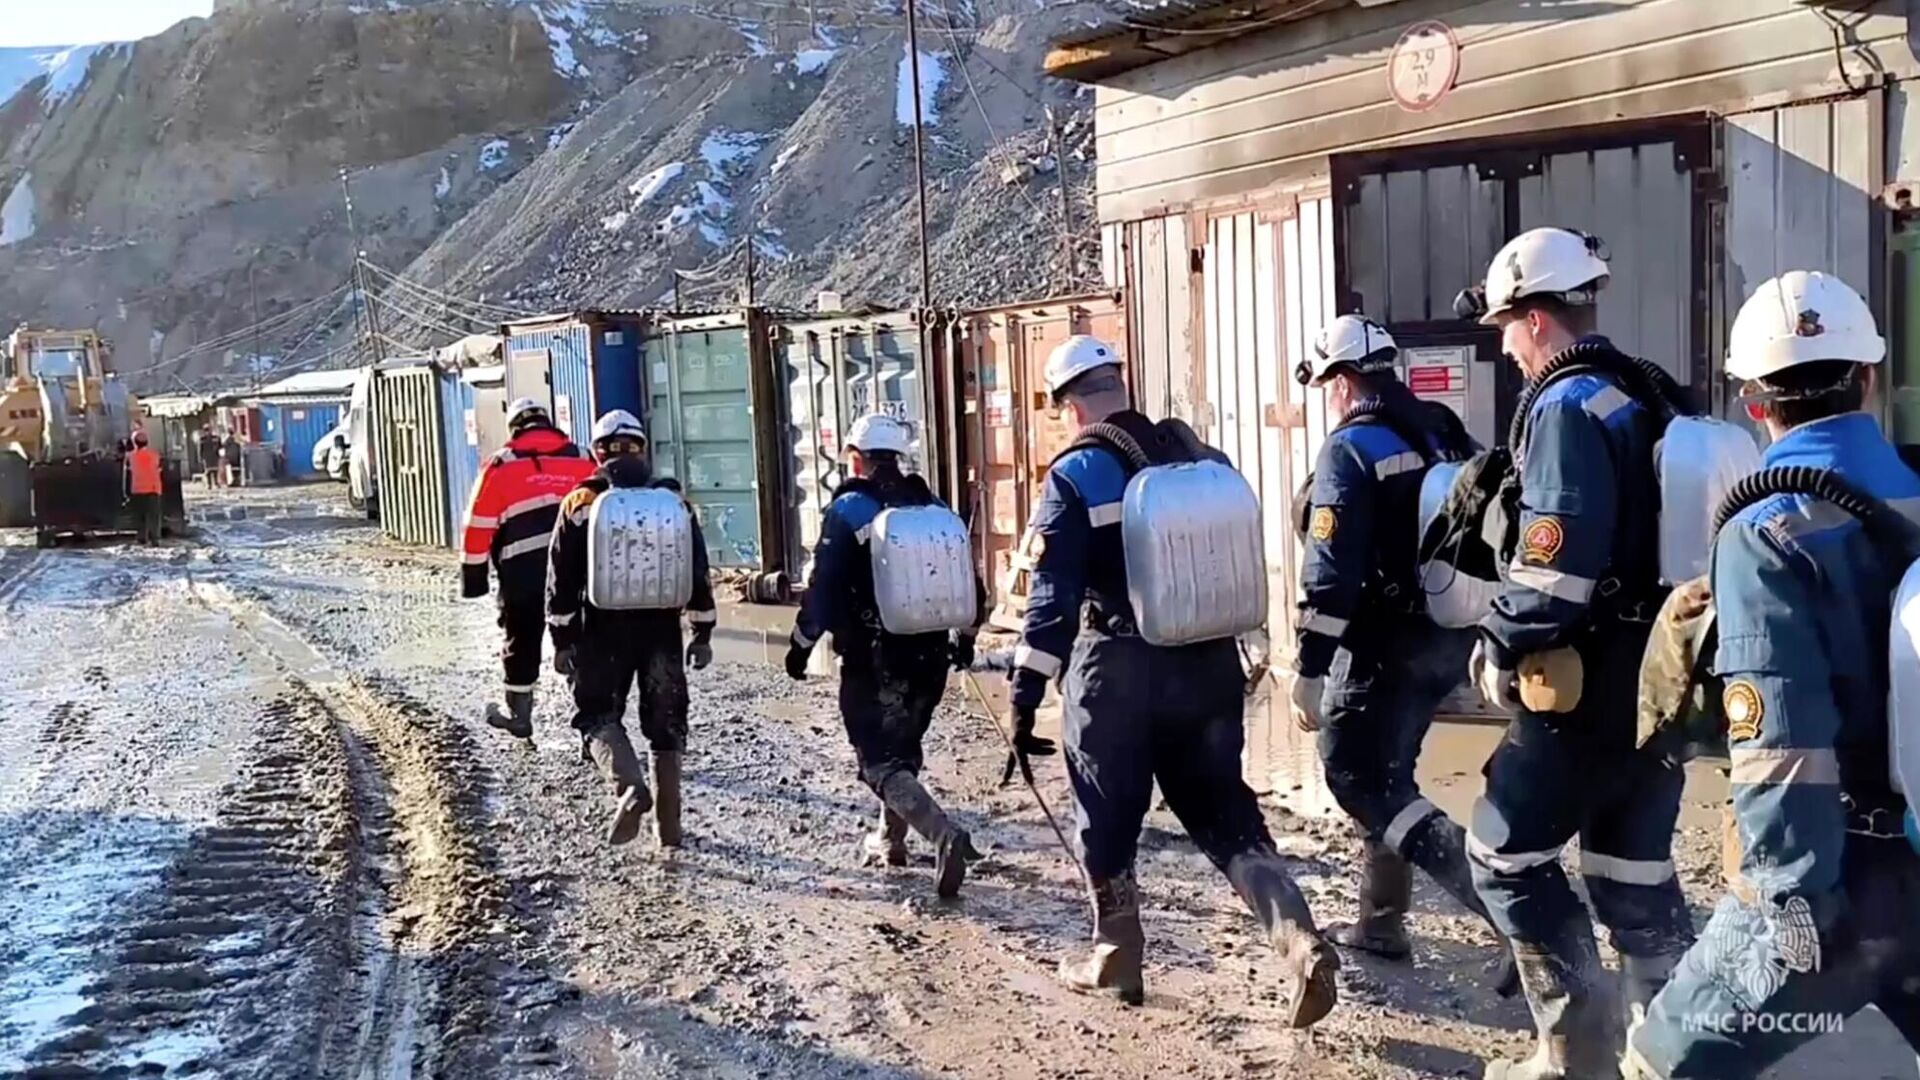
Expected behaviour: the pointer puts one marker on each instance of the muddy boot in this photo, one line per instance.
(517, 718)
(1576, 1037)
(666, 797)
(887, 844)
(1118, 944)
(610, 751)
(1386, 891)
(1307, 962)
(1641, 978)
(902, 793)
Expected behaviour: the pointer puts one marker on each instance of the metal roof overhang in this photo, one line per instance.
(1176, 27)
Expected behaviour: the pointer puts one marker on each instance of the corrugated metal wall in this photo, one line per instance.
(461, 458)
(834, 371)
(617, 382)
(1159, 267)
(564, 379)
(703, 431)
(409, 447)
(1801, 185)
(302, 427)
(1266, 108)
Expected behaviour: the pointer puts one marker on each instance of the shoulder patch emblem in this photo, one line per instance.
(1741, 702)
(1323, 524)
(1543, 540)
(578, 499)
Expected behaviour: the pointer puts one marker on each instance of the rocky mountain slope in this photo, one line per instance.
(531, 154)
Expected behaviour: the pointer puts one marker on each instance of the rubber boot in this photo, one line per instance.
(610, 751)
(517, 718)
(1576, 1036)
(1118, 944)
(666, 797)
(1386, 892)
(1439, 848)
(1641, 978)
(902, 793)
(1308, 962)
(887, 844)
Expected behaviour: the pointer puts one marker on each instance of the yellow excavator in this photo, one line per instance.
(66, 424)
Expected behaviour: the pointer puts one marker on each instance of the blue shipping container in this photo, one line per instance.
(579, 366)
(302, 428)
(461, 456)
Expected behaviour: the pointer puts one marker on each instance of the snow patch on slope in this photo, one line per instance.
(67, 71)
(17, 213)
(723, 150)
(494, 154)
(810, 61)
(654, 182)
(933, 75)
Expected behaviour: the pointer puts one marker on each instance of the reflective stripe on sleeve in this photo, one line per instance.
(1104, 515)
(471, 559)
(1560, 586)
(1404, 462)
(864, 533)
(1514, 862)
(536, 502)
(700, 617)
(801, 639)
(478, 522)
(562, 620)
(1626, 871)
(1785, 766)
(514, 688)
(1607, 401)
(1034, 660)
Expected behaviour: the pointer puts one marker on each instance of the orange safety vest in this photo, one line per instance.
(143, 468)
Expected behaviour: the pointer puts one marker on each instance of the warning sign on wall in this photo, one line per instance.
(1439, 373)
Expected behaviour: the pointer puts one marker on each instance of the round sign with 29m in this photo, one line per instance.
(1424, 65)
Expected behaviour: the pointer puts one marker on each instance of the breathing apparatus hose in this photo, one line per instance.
(1026, 774)
(1881, 523)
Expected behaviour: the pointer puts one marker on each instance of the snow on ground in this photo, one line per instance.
(67, 70)
(771, 249)
(615, 222)
(559, 135)
(16, 214)
(724, 150)
(560, 40)
(676, 217)
(654, 182)
(756, 45)
(809, 61)
(444, 187)
(933, 75)
(574, 14)
(713, 234)
(786, 155)
(714, 203)
(494, 154)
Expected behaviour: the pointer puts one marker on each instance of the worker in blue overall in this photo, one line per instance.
(1573, 616)
(1136, 713)
(890, 684)
(1371, 667)
(1823, 887)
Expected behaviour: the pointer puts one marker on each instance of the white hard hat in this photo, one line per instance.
(1801, 317)
(878, 432)
(1563, 264)
(1075, 357)
(1353, 340)
(618, 424)
(522, 409)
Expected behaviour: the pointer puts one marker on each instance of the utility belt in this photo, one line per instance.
(1111, 623)
(1613, 600)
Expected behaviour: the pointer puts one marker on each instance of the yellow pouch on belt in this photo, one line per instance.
(1550, 681)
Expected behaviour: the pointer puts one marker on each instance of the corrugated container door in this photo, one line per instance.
(817, 425)
(703, 435)
(616, 366)
(572, 376)
(489, 413)
(305, 426)
(271, 430)
(460, 454)
(413, 486)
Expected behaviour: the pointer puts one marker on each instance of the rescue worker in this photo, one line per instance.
(1575, 611)
(1136, 713)
(509, 523)
(890, 684)
(606, 652)
(143, 489)
(209, 446)
(1371, 667)
(1823, 886)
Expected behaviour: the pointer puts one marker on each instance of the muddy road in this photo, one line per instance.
(252, 826)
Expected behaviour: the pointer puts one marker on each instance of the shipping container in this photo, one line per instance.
(298, 428)
(486, 420)
(713, 413)
(834, 371)
(244, 421)
(1011, 432)
(579, 365)
(410, 443)
(458, 451)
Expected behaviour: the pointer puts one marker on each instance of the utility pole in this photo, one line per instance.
(750, 296)
(365, 295)
(253, 290)
(920, 167)
(1066, 207)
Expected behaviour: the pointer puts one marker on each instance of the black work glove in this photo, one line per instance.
(473, 581)
(563, 661)
(1025, 745)
(960, 646)
(700, 649)
(797, 657)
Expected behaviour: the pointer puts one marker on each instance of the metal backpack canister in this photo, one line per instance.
(1196, 563)
(923, 579)
(640, 551)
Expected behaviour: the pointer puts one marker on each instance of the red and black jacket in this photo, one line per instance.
(514, 507)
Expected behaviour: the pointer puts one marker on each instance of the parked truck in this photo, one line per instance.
(66, 424)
